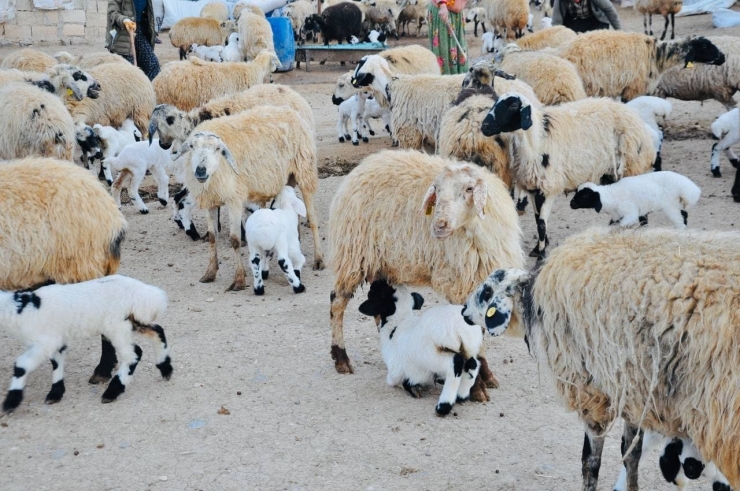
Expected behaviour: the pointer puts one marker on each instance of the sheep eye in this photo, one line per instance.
(170, 119)
(191, 145)
(223, 152)
(341, 85)
(469, 190)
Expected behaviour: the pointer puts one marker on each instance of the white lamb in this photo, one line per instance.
(231, 51)
(726, 129)
(275, 231)
(419, 349)
(47, 318)
(530, 23)
(629, 200)
(546, 22)
(487, 39)
(653, 110)
(112, 141)
(207, 53)
(132, 163)
(350, 113)
(374, 110)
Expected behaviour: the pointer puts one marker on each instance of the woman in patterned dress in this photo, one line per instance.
(445, 18)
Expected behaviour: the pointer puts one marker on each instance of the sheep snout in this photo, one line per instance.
(93, 92)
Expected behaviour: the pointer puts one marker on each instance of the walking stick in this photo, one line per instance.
(131, 38)
(459, 46)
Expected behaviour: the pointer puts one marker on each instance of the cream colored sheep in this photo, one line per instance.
(509, 17)
(297, 12)
(558, 148)
(552, 37)
(189, 84)
(215, 10)
(89, 60)
(34, 123)
(411, 60)
(638, 324)
(28, 60)
(250, 157)
(466, 227)
(413, 11)
(125, 93)
(245, 7)
(663, 7)
(205, 32)
(62, 80)
(255, 35)
(628, 64)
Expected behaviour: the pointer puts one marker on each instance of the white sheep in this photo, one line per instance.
(476, 15)
(231, 51)
(418, 349)
(132, 163)
(350, 114)
(725, 129)
(47, 318)
(255, 35)
(215, 10)
(62, 80)
(274, 231)
(112, 141)
(652, 110)
(27, 59)
(207, 53)
(89, 60)
(629, 200)
(373, 110)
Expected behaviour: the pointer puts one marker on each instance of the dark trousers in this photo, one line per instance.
(583, 25)
(145, 57)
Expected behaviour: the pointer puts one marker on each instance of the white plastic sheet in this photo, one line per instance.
(704, 7)
(174, 10)
(7, 10)
(725, 18)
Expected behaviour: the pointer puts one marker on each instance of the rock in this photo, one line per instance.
(223, 411)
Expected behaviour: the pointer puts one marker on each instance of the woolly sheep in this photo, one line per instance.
(215, 10)
(90, 146)
(373, 110)
(339, 22)
(663, 7)
(418, 349)
(28, 60)
(350, 114)
(91, 60)
(189, 84)
(376, 232)
(477, 15)
(298, 12)
(206, 53)
(231, 51)
(263, 147)
(47, 318)
(62, 80)
(509, 17)
(411, 60)
(725, 129)
(560, 147)
(552, 37)
(132, 163)
(645, 353)
(245, 7)
(373, 37)
(417, 13)
(380, 19)
(207, 32)
(640, 60)
(255, 35)
(274, 231)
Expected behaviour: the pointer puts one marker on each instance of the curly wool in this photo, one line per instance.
(91, 60)
(215, 10)
(28, 60)
(411, 60)
(255, 35)
(508, 16)
(552, 37)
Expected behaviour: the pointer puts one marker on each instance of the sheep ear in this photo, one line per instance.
(516, 277)
(299, 206)
(72, 88)
(525, 115)
(429, 200)
(480, 196)
(418, 301)
(225, 153)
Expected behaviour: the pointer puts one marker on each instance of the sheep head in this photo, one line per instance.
(385, 301)
(484, 73)
(77, 83)
(456, 197)
(65, 57)
(267, 56)
(287, 200)
(206, 150)
(700, 50)
(587, 196)
(171, 124)
(373, 71)
(492, 302)
(511, 112)
(88, 140)
(344, 89)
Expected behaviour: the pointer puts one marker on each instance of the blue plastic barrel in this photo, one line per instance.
(282, 37)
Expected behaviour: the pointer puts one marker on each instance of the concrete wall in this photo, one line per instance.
(84, 22)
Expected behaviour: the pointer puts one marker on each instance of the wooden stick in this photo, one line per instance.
(459, 46)
(131, 38)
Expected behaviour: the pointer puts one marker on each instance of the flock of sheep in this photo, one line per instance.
(634, 323)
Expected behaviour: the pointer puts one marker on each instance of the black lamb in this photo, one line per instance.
(339, 22)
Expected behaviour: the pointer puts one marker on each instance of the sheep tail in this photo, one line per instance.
(114, 251)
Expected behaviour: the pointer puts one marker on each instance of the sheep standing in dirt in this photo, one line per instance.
(189, 84)
(255, 35)
(203, 31)
(206, 53)
(250, 157)
(28, 60)
(132, 163)
(509, 17)
(339, 22)
(476, 15)
(298, 12)
(111, 141)
(665, 8)
(726, 130)
(215, 10)
(659, 352)
(421, 220)
(414, 11)
(639, 60)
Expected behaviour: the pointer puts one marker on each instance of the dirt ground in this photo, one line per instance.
(293, 423)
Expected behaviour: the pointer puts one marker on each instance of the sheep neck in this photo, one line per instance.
(527, 143)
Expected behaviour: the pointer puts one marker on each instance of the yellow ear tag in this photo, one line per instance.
(429, 209)
(69, 92)
(690, 64)
(354, 81)
(491, 311)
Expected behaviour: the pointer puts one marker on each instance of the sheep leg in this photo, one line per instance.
(475, 26)
(731, 157)
(318, 254)
(644, 23)
(266, 265)
(452, 384)
(336, 315)
(368, 126)
(235, 221)
(286, 265)
(470, 373)
(108, 360)
(718, 480)
(133, 192)
(673, 26)
(341, 123)
(116, 187)
(665, 28)
(24, 364)
(57, 377)
(650, 16)
(255, 260)
(130, 355)
(632, 460)
(542, 208)
(163, 183)
(213, 263)
(593, 445)
(736, 187)
(155, 334)
(714, 160)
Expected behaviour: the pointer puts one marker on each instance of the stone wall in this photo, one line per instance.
(81, 21)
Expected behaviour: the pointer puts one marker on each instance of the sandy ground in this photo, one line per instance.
(293, 422)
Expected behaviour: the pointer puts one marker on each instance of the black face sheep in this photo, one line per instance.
(418, 349)
(339, 22)
(48, 318)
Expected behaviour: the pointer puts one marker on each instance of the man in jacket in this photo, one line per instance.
(138, 16)
(585, 15)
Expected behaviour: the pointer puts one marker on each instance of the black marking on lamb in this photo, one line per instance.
(256, 260)
(132, 367)
(44, 85)
(443, 408)
(115, 389)
(297, 273)
(283, 265)
(18, 372)
(669, 460)
(643, 220)
(63, 349)
(160, 332)
(685, 216)
(56, 392)
(471, 364)
(693, 468)
(23, 299)
(115, 245)
(458, 362)
(545, 160)
(718, 486)
(12, 400)
(54, 364)
(392, 333)
(165, 368)
(192, 232)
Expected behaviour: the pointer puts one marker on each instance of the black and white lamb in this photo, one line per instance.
(339, 22)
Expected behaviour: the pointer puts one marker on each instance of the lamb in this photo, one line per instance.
(372, 238)
(641, 60)
(207, 32)
(47, 318)
(275, 232)
(263, 148)
(558, 148)
(215, 10)
(90, 146)
(509, 17)
(381, 19)
(671, 308)
(88, 61)
(241, 7)
(206, 53)
(255, 35)
(298, 12)
(726, 130)
(546, 22)
(132, 162)
(477, 15)
(552, 37)
(108, 142)
(418, 349)
(28, 60)
(339, 22)
(350, 113)
(231, 51)
(374, 37)
(487, 42)
(189, 84)
(375, 110)
(650, 109)
(629, 200)
(663, 7)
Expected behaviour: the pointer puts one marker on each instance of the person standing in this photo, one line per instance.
(137, 16)
(585, 15)
(445, 22)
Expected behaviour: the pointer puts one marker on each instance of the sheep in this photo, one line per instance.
(413, 12)
(241, 7)
(477, 15)
(215, 10)
(552, 37)
(509, 17)
(705, 81)
(546, 22)
(126, 93)
(132, 163)
(183, 213)
(263, 148)
(376, 232)
(350, 113)
(34, 122)
(638, 324)
(298, 12)
(375, 110)
(28, 60)
(88, 61)
(725, 129)
(629, 200)
(111, 141)
(207, 32)
(373, 37)
(90, 146)
(663, 7)
(487, 42)
(62, 80)
(418, 349)
(87, 246)
(189, 84)
(206, 53)
(255, 35)
(411, 60)
(339, 22)
(381, 19)
(560, 147)
(274, 231)
(231, 51)
(47, 318)
(650, 109)
(641, 60)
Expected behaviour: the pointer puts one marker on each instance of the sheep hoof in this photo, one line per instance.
(443, 408)
(372, 133)
(341, 360)
(12, 400)
(144, 212)
(165, 368)
(716, 172)
(299, 289)
(208, 278)
(259, 291)
(736, 198)
(115, 389)
(478, 393)
(365, 139)
(265, 275)
(347, 137)
(355, 142)
(535, 252)
(734, 162)
(460, 400)
(162, 202)
(179, 224)
(341, 139)
(98, 379)
(236, 286)
(413, 389)
(489, 379)
(192, 233)
(318, 264)
(56, 393)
